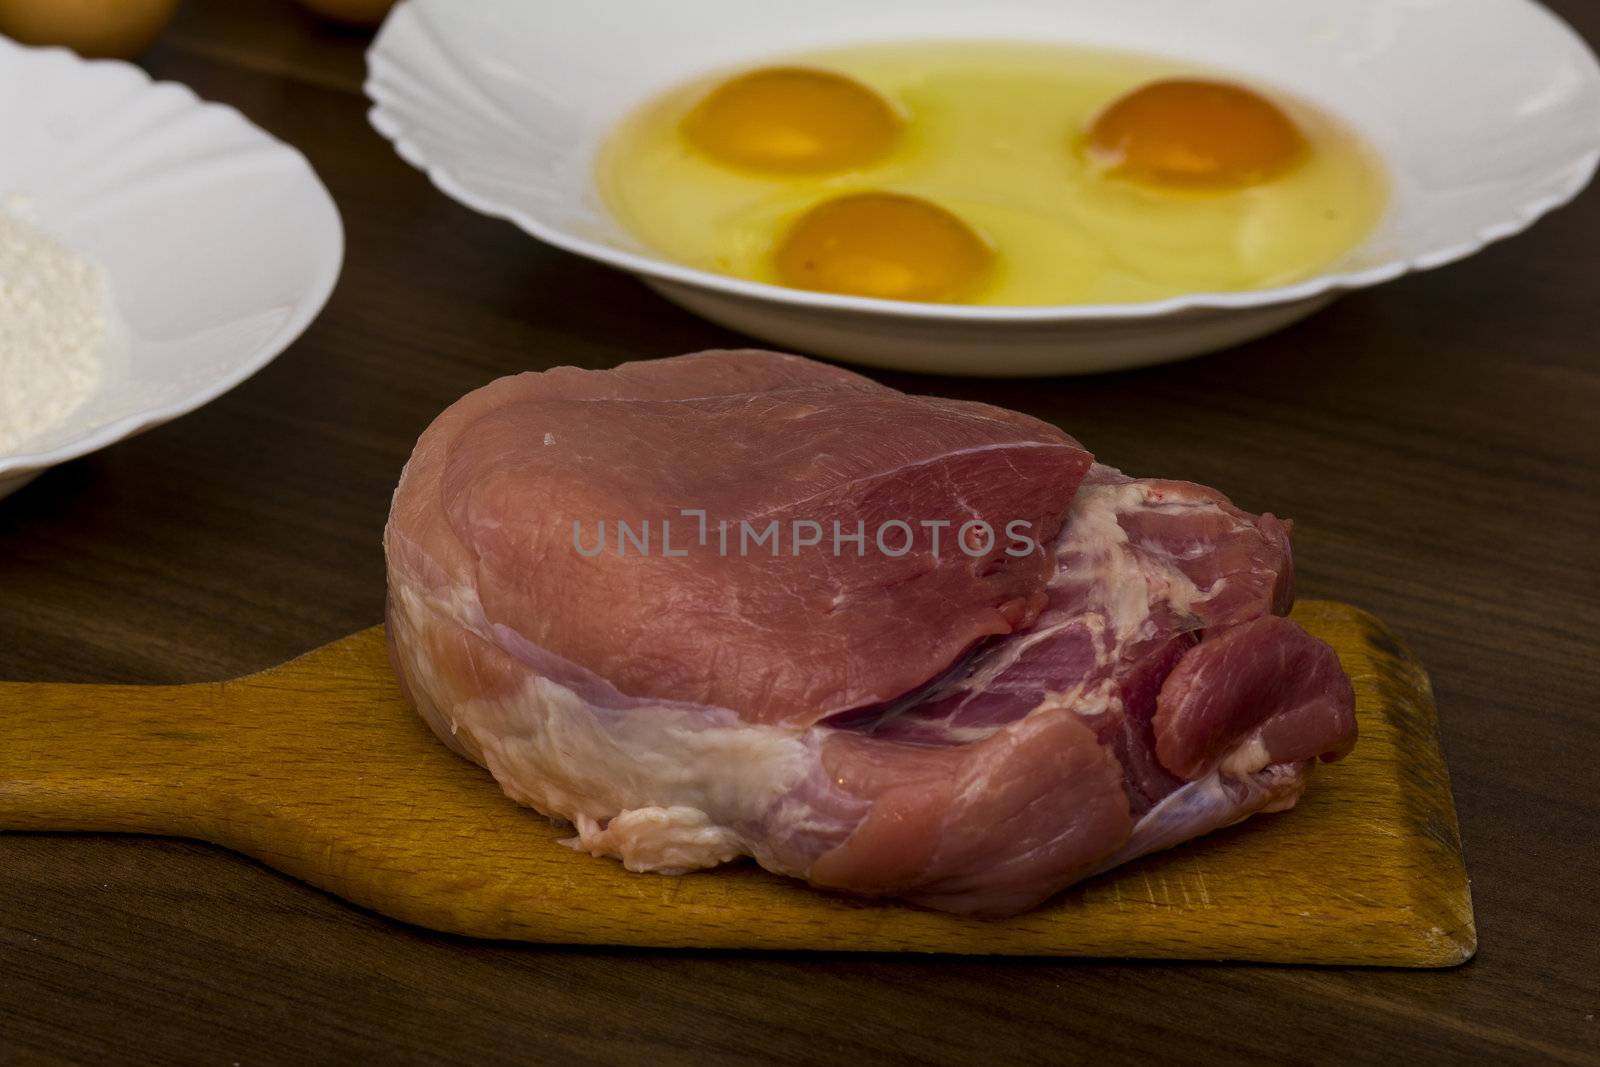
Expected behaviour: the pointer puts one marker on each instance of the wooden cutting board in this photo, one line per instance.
(320, 769)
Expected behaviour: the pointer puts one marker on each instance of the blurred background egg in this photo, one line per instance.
(993, 173)
(117, 29)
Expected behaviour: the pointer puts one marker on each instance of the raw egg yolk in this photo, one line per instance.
(885, 245)
(1195, 133)
(790, 120)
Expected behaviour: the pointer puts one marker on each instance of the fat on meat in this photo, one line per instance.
(972, 730)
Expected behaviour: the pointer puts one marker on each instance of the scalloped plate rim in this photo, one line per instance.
(386, 117)
(310, 304)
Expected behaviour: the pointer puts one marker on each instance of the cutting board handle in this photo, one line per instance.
(145, 759)
(194, 760)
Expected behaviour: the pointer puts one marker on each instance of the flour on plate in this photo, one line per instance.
(53, 323)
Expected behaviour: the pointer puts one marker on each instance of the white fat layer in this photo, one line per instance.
(662, 787)
(1248, 758)
(1097, 546)
(672, 840)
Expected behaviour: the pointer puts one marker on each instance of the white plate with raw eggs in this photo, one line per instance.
(1014, 187)
(155, 251)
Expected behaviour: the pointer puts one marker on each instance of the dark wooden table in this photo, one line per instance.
(1436, 441)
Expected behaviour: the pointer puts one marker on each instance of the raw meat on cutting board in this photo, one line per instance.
(972, 727)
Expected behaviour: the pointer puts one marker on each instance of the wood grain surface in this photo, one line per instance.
(320, 769)
(1435, 441)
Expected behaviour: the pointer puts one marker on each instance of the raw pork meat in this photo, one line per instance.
(972, 726)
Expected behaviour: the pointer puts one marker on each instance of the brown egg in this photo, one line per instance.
(117, 28)
(350, 12)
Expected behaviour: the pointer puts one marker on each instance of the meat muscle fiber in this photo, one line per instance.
(745, 604)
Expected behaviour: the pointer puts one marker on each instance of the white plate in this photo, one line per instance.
(219, 243)
(1487, 113)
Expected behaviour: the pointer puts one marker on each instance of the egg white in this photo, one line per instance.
(994, 134)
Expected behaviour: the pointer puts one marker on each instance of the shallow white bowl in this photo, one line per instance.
(219, 243)
(1486, 111)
